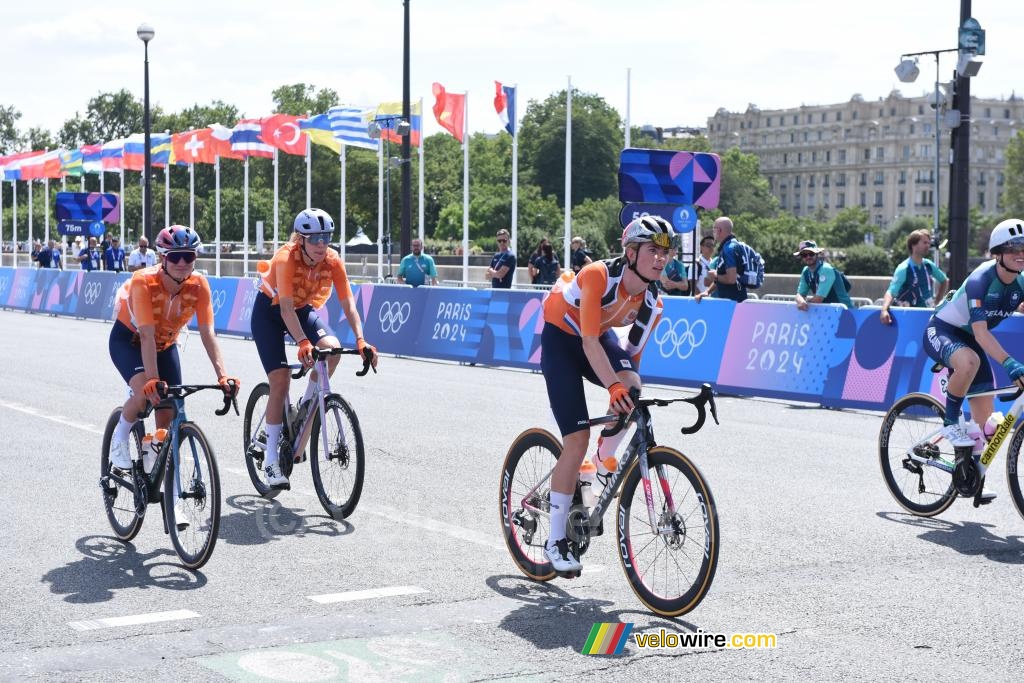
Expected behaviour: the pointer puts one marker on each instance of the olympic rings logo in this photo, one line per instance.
(681, 338)
(91, 292)
(393, 315)
(217, 299)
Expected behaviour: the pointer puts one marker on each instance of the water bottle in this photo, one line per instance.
(588, 475)
(974, 431)
(994, 420)
(151, 445)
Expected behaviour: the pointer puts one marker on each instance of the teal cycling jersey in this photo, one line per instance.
(913, 284)
(983, 297)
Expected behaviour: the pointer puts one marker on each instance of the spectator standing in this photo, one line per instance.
(674, 280)
(91, 257)
(49, 257)
(36, 248)
(917, 282)
(707, 252)
(819, 279)
(531, 266)
(417, 268)
(113, 256)
(546, 265)
(724, 276)
(143, 257)
(503, 265)
(579, 256)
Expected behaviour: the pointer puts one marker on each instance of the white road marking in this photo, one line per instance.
(29, 410)
(388, 592)
(133, 620)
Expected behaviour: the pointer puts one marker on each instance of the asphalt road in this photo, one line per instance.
(813, 549)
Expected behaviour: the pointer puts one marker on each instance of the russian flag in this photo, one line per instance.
(112, 155)
(505, 105)
(134, 154)
(247, 139)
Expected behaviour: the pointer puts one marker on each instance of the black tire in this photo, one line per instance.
(1013, 470)
(530, 458)
(118, 501)
(254, 421)
(200, 481)
(689, 556)
(922, 490)
(338, 477)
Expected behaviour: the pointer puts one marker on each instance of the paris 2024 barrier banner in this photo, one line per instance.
(827, 355)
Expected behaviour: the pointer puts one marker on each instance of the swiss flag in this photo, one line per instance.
(282, 131)
(449, 110)
(193, 147)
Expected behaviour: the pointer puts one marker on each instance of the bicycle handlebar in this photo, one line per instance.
(323, 353)
(180, 391)
(703, 401)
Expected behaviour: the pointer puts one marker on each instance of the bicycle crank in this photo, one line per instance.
(966, 479)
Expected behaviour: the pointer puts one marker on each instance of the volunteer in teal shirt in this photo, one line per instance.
(417, 268)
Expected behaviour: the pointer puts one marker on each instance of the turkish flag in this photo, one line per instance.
(449, 110)
(282, 131)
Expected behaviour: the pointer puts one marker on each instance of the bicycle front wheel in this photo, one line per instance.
(1013, 473)
(670, 568)
(338, 473)
(524, 500)
(192, 497)
(118, 501)
(912, 428)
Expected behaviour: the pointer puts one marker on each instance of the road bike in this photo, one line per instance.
(338, 474)
(186, 467)
(925, 473)
(667, 533)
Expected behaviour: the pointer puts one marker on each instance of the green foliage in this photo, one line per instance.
(597, 221)
(864, 259)
(300, 99)
(744, 189)
(697, 143)
(1013, 197)
(8, 130)
(849, 226)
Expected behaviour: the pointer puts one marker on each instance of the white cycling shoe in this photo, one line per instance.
(956, 436)
(120, 455)
(275, 477)
(561, 558)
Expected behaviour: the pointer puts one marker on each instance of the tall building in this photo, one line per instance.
(877, 155)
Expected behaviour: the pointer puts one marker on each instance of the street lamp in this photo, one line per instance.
(145, 33)
(374, 129)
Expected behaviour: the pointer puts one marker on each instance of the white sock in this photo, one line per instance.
(560, 504)
(310, 390)
(123, 429)
(271, 457)
(606, 447)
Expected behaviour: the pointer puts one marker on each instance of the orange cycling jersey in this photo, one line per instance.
(142, 300)
(591, 302)
(289, 276)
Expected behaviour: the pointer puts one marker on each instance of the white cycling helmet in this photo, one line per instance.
(1008, 233)
(648, 229)
(313, 222)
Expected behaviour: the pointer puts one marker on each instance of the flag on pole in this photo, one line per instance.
(349, 122)
(71, 162)
(318, 128)
(220, 142)
(42, 165)
(134, 152)
(449, 110)
(11, 164)
(112, 155)
(283, 132)
(388, 125)
(91, 158)
(159, 149)
(505, 105)
(247, 139)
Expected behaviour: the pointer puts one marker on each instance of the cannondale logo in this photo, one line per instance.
(91, 292)
(679, 338)
(393, 315)
(217, 299)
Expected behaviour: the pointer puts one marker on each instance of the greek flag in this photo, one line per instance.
(348, 123)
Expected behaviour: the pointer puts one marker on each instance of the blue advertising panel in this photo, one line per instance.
(222, 296)
(96, 294)
(511, 334)
(392, 319)
(686, 344)
(6, 284)
(683, 218)
(55, 291)
(453, 323)
(88, 206)
(22, 288)
(669, 177)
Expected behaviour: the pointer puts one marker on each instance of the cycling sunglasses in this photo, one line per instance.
(319, 238)
(180, 256)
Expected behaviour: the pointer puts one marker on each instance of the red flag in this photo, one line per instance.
(193, 147)
(282, 131)
(449, 110)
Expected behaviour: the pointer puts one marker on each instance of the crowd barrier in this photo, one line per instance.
(827, 355)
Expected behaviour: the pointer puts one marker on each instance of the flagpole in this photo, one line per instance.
(568, 170)
(46, 207)
(341, 218)
(192, 195)
(465, 190)
(515, 177)
(123, 207)
(216, 194)
(628, 70)
(276, 203)
(14, 223)
(245, 231)
(380, 211)
(420, 147)
(29, 214)
(167, 188)
(309, 168)
(81, 180)
(1, 217)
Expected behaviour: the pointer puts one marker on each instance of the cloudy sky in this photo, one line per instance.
(687, 58)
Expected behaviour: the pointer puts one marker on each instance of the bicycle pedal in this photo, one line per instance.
(570, 575)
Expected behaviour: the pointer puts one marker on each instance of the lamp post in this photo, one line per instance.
(374, 130)
(145, 33)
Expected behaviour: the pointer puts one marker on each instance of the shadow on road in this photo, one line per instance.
(256, 521)
(109, 564)
(967, 538)
(551, 619)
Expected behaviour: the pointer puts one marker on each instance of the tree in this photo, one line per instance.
(596, 142)
(1013, 198)
(744, 189)
(8, 130)
(115, 115)
(849, 226)
(597, 222)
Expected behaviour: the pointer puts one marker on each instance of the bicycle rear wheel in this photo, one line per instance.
(254, 440)
(529, 460)
(338, 473)
(193, 513)
(670, 571)
(118, 501)
(912, 426)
